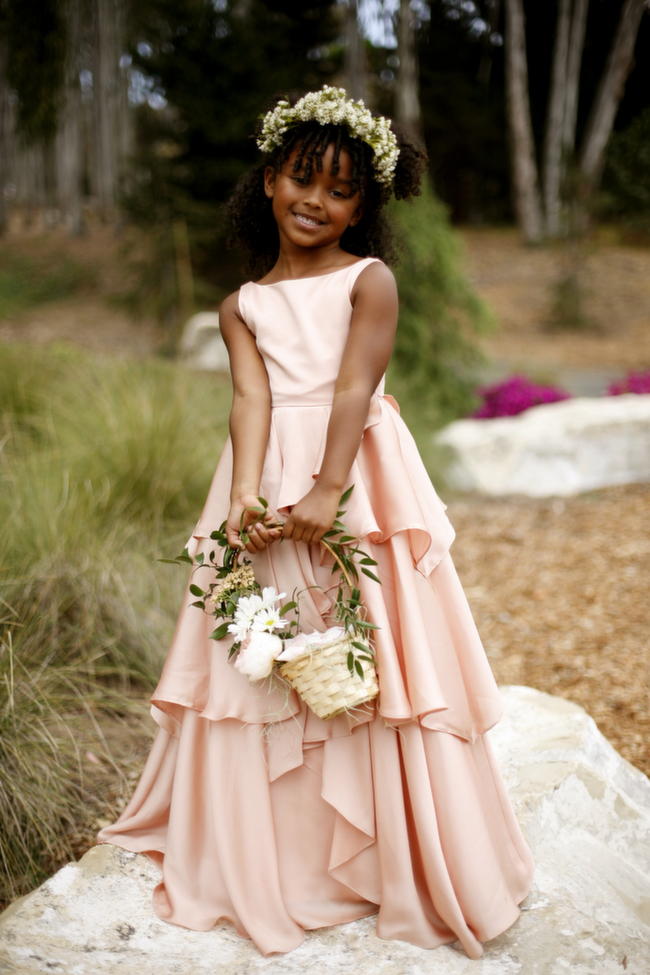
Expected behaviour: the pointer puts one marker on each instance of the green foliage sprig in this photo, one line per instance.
(350, 611)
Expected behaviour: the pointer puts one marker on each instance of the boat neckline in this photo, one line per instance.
(312, 277)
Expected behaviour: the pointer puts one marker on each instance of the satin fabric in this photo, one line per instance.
(257, 811)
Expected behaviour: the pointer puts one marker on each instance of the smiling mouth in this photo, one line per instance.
(306, 221)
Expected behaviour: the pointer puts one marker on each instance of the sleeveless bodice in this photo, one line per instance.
(301, 327)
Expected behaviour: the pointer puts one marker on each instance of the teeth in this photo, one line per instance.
(309, 220)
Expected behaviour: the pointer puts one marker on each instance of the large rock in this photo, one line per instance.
(557, 448)
(201, 345)
(585, 812)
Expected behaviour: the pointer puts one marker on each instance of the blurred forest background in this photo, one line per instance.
(123, 128)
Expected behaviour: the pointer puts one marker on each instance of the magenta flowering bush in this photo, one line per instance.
(514, 395)
(634, 382)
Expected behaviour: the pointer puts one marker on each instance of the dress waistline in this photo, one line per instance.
(300, 403)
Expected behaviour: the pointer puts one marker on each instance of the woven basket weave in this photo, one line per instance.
(322, 679)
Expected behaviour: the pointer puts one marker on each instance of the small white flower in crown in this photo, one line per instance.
(331, 104)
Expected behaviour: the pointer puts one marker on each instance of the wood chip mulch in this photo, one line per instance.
(559, 590)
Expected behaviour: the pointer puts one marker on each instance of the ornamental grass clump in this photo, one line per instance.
(514, 395)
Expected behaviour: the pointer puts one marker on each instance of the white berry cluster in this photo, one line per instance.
(332, 105)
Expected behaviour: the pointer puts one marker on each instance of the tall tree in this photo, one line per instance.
(610, 90)
(407, 94)
(554, 135)
(4, 125)
(527, 201)
(355, 67)
(69, 135)
(561, 195)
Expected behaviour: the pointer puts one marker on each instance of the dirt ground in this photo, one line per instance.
(517, 283)
(559, 592)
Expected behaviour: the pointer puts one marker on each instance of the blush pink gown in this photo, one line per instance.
(259, 812)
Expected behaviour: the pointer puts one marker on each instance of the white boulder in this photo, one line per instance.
(201, 345)
(585, 813)
(557, 448)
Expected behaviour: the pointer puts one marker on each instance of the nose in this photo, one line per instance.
(312, 196)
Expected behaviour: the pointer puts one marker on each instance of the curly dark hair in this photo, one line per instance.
(252, 227)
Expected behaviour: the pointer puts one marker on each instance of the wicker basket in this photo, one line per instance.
(322, 679)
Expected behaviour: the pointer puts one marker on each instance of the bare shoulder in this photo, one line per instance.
(375, 279)
(229, 307)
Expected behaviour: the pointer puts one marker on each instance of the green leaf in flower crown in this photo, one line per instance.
(200, 557)
(350, 660)
(287, 607)
(368, 561)
(359, 668)
(196, 590)
(359, 646)
(220, 632)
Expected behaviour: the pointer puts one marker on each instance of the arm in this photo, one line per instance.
(365, 358)
(250, 420)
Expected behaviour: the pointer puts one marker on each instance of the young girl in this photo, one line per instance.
(256, 810)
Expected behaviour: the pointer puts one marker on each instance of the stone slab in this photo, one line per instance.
(561, 448)
(584, 810)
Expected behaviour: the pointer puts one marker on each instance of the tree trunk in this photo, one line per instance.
(355, 70)
(105, 95)
(608, 96)
(576, 45)
(522, 147)
(407, 96)
(69, 145)
(553, 161)
(4, 135)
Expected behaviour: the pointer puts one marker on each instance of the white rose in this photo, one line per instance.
(255, 659)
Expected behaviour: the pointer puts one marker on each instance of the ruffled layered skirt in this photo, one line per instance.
(261, 813)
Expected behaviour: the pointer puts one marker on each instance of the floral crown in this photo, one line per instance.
(332, 105)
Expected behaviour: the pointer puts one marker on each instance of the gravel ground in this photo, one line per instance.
(559, 592)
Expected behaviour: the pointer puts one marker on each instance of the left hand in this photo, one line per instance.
(313, 515)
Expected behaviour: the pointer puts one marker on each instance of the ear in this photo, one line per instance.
(356, 216)
(269, 181)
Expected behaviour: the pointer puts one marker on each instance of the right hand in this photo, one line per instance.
(257, 524)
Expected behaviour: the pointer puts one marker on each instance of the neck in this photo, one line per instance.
(296, 262)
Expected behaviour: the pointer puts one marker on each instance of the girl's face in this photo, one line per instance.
(314, 213)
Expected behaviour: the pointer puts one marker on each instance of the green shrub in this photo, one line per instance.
(29, 281)
(625, 193)
(436, 356)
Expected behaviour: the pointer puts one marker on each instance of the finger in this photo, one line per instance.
(233, 538)
(253, 543)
